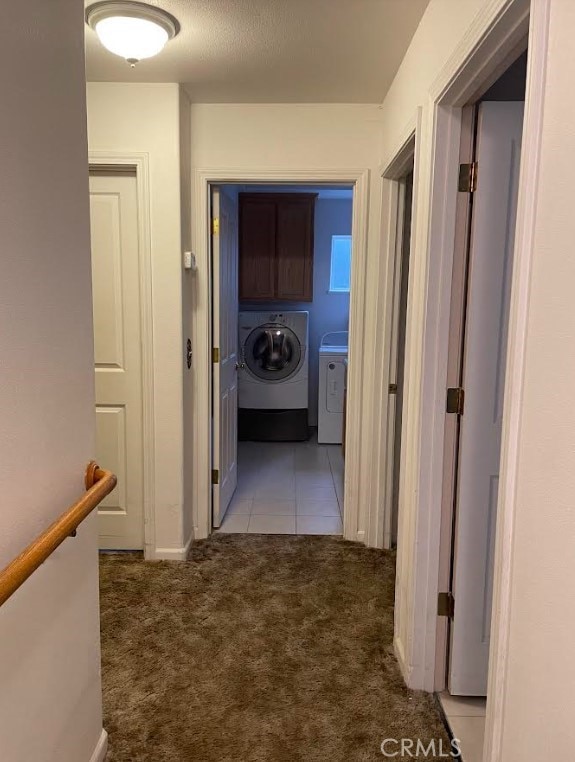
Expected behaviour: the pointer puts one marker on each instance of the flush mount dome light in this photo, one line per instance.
(132, 30)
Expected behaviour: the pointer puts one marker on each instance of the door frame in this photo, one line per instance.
(139, 163)
(223, 199)
(457, 310)
(392, 174)
(202, 363)
(493, 40)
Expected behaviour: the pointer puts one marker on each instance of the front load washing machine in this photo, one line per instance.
(273, 379)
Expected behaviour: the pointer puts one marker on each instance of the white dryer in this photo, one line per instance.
(274, 378)
(332, 377)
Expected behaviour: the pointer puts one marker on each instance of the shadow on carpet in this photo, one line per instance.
(259, 648)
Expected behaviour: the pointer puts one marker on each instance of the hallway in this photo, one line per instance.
(260, 649)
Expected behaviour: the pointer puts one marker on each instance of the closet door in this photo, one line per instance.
(499, 133)
(117, 355)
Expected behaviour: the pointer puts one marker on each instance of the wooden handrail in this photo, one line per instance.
(99, 483)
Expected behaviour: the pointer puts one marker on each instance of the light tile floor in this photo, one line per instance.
(287, 488)
(466, 718)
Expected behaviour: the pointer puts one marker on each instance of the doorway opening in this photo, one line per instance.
(397, 201)
(490, 152)
(396, 386)
(281, 263)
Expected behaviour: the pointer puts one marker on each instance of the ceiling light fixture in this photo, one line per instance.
(132, 30)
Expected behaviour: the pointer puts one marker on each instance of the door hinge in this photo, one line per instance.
(216, 226)
(215, 354)
(468, 177)
(446, 605)
(215, 476)
(455, 400)
(393, 389)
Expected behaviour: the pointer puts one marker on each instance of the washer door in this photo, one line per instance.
(272, 352)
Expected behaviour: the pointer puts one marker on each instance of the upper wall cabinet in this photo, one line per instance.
(276, 246)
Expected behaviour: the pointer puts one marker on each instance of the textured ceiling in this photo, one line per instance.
(274, 51)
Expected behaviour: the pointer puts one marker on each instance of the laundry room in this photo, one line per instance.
(293, 249)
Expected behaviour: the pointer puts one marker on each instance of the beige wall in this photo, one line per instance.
(188, 300)
(145, 118)
(298, 137)
(442, 27)
(50, 704)
(538, 706)
(157, 120)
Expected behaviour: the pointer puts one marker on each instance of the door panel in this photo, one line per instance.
(258, 245)
(107, 279)
(111, 439)
(491, 259)
(225, 331)
(117, 354)
(295, 249)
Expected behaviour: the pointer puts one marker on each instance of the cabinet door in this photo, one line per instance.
(294, 248)
(257, 247)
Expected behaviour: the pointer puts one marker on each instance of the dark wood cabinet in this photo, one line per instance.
(276, 246)
(257, 220)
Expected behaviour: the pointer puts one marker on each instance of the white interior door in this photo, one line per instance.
(225, 338)
(491, 261)
(117, 349)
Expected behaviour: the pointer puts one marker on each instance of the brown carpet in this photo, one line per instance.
(258, 649)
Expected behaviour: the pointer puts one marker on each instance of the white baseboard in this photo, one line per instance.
(173, 554)
(101, 749)
(187, 546)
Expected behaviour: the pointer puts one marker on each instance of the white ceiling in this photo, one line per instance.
(274, 51)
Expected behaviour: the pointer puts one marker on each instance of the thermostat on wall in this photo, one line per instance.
(190, 261)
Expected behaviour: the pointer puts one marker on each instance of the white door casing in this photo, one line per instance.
(384, 415)
(225, 337)
(491, 262)
(204, 180)
(118, 354)
(397, 369)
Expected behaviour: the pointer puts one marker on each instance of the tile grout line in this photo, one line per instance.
(334, 487)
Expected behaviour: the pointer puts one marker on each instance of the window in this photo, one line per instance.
(340, 273)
